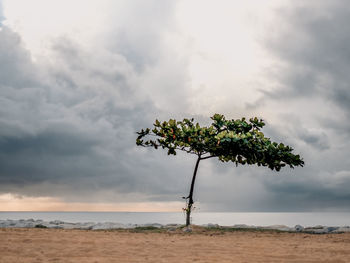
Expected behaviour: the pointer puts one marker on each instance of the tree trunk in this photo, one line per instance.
(190, 196)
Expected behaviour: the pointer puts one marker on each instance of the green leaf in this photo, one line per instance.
(237, 141)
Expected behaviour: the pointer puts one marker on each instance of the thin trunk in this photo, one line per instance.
(190, 196)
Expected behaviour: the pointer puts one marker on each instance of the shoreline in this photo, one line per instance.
(58, 224)
(306, 219)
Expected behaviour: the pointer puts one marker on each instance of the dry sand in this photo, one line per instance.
(51, 245)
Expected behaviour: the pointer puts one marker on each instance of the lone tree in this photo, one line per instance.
(238, 141)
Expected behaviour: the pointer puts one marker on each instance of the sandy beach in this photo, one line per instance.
(55, 245)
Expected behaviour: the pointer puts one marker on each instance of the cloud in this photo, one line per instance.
(309, 103)
(1, 13)
(68, 121)
(315, 57)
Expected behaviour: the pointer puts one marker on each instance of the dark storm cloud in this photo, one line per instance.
(14, 59)
(313, 44)
(68, 124)
(320, 141)
(311, 99)
(41, 139)
(49, 155)
(310, 190)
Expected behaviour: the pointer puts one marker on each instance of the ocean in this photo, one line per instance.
(199, 218)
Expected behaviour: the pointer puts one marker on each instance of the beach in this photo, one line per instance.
(200, 245)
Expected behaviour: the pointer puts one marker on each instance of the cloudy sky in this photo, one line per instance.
(79, 78)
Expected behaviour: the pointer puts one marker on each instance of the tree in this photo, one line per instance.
(238, 141)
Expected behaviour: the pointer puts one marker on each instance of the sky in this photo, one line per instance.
(79, 78)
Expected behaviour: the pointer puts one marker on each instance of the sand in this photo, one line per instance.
(54, 245)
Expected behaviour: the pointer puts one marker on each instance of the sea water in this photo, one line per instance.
(199, 218)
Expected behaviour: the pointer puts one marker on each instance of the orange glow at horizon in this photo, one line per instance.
(10, 202)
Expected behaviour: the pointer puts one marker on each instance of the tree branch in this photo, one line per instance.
(207, 157)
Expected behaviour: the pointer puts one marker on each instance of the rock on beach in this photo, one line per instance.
(58, 224)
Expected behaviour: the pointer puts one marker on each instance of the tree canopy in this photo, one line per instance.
(239, 141)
